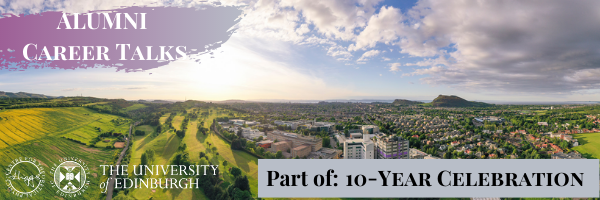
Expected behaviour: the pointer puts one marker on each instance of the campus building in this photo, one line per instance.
(296, 140)
(370, 129)
(391, 147)
(359, 148)
(252, 134)
(301, 151)
(325, 153)
(265, 144)
(293, 125)
(238, 122)
(417, 154)
(327, 127)
(282, 146)
(491, 119)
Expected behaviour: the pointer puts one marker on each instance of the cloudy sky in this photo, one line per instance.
(359, 49)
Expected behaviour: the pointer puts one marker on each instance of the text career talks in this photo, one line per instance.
(444, 178)
(32, 51)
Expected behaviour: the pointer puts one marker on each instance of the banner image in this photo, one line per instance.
(299, 99)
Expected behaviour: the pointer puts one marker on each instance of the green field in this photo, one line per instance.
(103, 143)
(165, 146)
(135, 107)
(589, 145)
(88, 131)
(80, 124)
(41, 134)
(146, 128)
(22, 125)
(540, 112)
(164, 118)
(177, 120)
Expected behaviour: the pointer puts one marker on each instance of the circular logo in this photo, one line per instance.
(25, 177)
(70, 177)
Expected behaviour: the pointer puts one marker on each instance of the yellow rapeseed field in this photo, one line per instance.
(21, 125)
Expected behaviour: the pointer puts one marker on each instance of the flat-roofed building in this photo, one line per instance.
(370, 129)
(340, 138)
(356, 135)
(292, 124)
(492, 119)
(238, 122)
(322, 126)
(326, 153)
(296, 139)
(391, 147)
(416, 154)
(252, 134)
(359, 148)
(571, 155)
(282, 146)
(301, 151)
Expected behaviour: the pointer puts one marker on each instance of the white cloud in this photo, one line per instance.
(395, 67)
(441, 60)
(523, 46)
(498, 45)
(334, 19)
(339, 52)
(367, 55)
(383, 27)
(322, 23)
(302, 29)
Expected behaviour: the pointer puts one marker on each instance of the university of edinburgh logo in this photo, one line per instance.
(70, 177)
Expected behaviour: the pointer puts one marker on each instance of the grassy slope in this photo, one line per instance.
(88, 131)
(177, 120)
(21, 125)
(246, 162)
(165, 145)
(195, 143)
(589, 144)
(48, 125)
(103, 144)
(135, 107)
(164, 118)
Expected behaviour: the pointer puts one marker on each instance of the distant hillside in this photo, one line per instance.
(405, 102)
(455, 101)
(232, 101)
(22, 95)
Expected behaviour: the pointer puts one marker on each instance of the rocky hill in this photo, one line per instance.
(455, 101)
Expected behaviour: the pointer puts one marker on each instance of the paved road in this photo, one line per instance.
(111, 184)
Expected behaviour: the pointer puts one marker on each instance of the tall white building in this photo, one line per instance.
(359, 148)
